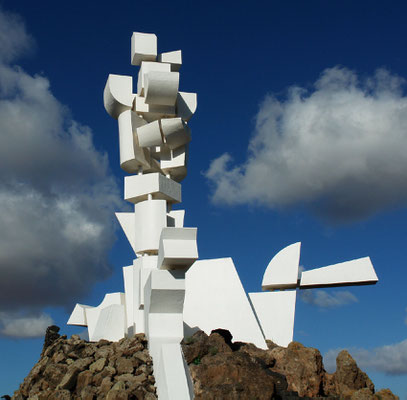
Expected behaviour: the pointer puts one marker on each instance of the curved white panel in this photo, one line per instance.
(282, 271)
(118, 96)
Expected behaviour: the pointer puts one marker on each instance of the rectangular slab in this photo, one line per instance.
(355, 272)
(138, 187)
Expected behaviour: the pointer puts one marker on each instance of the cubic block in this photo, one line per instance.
(161, 88)
(174, 58)
(178, 248)
(354, 272)
(143, 47)
(132, 156)
(118, 94)
(152, 112)
(150, 135)
(275, 312)
(150, 218)
(174, 162)
(282, 271)
(214, 296)
(145, 68)
(175, 131)
(164, 292)
(186, 105)
(138, 187)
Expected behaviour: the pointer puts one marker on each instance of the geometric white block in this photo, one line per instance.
(161, 87)
(282, 271)
(118, 96)
(138, 187)
(175, 218)
(143, 47)
(174, 58)
(130, 291)
(172, 374)
(215, 298)
(150, 218)
(275, 312)
(355, 272)
(150, 135)
(178, 248)
(164, 293)
(146, 264)
(186, 105)
(128, 224)
(174, 162)
(110, 323)
(147, 67)
(176, 132)
(78, 315)
(132, 157)
(152, 112)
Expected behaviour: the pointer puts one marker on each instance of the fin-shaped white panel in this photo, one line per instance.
(275, 312)
(215, 298)
(354, 272)
(282, 271)
(109, 324)
(128, 223)
(78, 316)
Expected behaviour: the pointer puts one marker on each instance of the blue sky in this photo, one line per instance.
(300, 135)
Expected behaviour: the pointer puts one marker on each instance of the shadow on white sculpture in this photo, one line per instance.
(167, 293)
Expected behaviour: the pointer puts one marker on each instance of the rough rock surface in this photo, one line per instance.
(76, 369)
(220, 369)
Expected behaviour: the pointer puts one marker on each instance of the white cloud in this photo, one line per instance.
(24, 326)
(323, 299)
(57, 194)
(390, 359)
(339, 148)
(14, 40)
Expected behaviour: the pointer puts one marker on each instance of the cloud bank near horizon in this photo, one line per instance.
(338, 148)
(57, 196)
(389, 359)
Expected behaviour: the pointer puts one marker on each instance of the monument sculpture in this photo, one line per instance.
(168, 293)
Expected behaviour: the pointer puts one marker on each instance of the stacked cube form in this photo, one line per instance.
(153, 140)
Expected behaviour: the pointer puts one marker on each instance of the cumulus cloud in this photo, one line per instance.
(339, 148)
(390, 359)
(24, 326)
(57, 194)
(323, 299)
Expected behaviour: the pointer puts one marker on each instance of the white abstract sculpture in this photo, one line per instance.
(167, 295)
